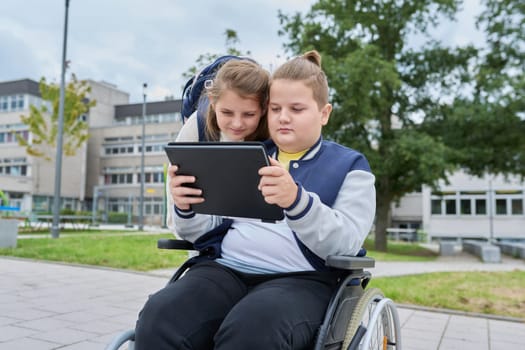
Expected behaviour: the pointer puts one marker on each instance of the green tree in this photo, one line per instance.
(232, 40)
(487, 129)
(3, 198)
(390, 98)
(43, 121)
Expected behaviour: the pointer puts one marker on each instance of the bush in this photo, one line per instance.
(117, 218)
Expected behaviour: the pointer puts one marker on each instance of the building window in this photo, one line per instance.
(436, 207)
(450, 207)
(517, 206)
(20, 102)
(4, 106)
(481, 206)
(508, 202)
(153, 206)
(17, 102)
(120, 149)
(468, 203)
(152, 148)
(501, 206)
(466, 206)
(117, 176)
(153, 177)
(120, 205)
(13, 166)
(41, 204)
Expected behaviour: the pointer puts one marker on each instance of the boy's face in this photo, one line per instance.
(294, 118)
(237, 117)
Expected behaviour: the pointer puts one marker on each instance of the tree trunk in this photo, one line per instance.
(382, 222)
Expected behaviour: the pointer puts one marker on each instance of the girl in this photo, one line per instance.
(238, 100)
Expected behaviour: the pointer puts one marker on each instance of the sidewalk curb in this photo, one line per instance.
(94, 267)
(461, 313)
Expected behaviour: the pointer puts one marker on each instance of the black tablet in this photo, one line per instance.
(227, 174)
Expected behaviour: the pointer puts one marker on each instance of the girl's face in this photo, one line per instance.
(294, 118)
(237, 117)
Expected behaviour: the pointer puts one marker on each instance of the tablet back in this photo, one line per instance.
(227, 174)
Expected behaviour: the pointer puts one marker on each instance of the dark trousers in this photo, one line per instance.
(214, 307)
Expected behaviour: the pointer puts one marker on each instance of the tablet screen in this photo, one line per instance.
(227, 174)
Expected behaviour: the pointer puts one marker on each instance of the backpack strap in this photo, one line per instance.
(201, 119)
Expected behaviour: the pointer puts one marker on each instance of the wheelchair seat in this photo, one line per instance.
(356, 317)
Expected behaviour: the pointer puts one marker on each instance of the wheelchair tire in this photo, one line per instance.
(385, 326)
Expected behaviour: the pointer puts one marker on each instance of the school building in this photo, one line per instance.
(467, 207)
(107, 171)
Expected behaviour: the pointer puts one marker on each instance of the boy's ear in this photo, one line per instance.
(325, 113)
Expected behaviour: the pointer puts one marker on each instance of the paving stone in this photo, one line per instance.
(77, 308)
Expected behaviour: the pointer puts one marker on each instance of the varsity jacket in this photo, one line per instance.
(332, 214)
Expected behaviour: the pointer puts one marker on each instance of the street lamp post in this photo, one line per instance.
(55, 228)
(141, 205)
(94, 207)
(490, 208)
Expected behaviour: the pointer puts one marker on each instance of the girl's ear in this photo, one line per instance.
(211, 102)
(325, 113)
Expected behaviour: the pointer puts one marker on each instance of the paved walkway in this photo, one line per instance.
(56, 306)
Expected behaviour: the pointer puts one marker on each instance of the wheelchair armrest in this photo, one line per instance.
(349, 262)
(178, 244)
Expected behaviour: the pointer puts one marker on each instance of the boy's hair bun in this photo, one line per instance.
(313, 56)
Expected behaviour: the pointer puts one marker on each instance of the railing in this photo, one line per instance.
(405, 234)
(75, 222)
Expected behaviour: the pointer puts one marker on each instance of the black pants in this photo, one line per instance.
(214, 307)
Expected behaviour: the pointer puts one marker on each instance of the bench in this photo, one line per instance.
(8, 232)
(485, 251)
(447, 248)
(514, 249)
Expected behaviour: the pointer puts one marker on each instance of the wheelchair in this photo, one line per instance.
(356, 317)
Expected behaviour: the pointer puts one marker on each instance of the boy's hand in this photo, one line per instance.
(277, 185)
(183, 196)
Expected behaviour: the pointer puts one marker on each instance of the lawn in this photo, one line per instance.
(118, 250)
(399, 251)
(498, 293)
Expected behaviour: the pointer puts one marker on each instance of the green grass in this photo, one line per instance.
(135, 252)
(497, 293)
(398, 251)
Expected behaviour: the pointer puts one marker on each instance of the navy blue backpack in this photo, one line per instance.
(192, 96)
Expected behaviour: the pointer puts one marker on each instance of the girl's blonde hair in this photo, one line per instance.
(306, 68)
(247, 79)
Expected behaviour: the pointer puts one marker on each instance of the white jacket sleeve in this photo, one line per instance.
(190, 130)
(342, 229)
(188, 133)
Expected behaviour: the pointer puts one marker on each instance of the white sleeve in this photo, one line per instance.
(190, 130)
(342, 229)
(188, 133)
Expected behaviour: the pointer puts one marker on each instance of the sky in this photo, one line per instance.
(131, 42)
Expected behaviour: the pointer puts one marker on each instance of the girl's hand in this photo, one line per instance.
(277, 185)
(183, 196)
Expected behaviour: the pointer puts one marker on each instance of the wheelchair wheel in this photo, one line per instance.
(374, 323)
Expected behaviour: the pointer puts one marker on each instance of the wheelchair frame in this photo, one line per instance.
(356, 317)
